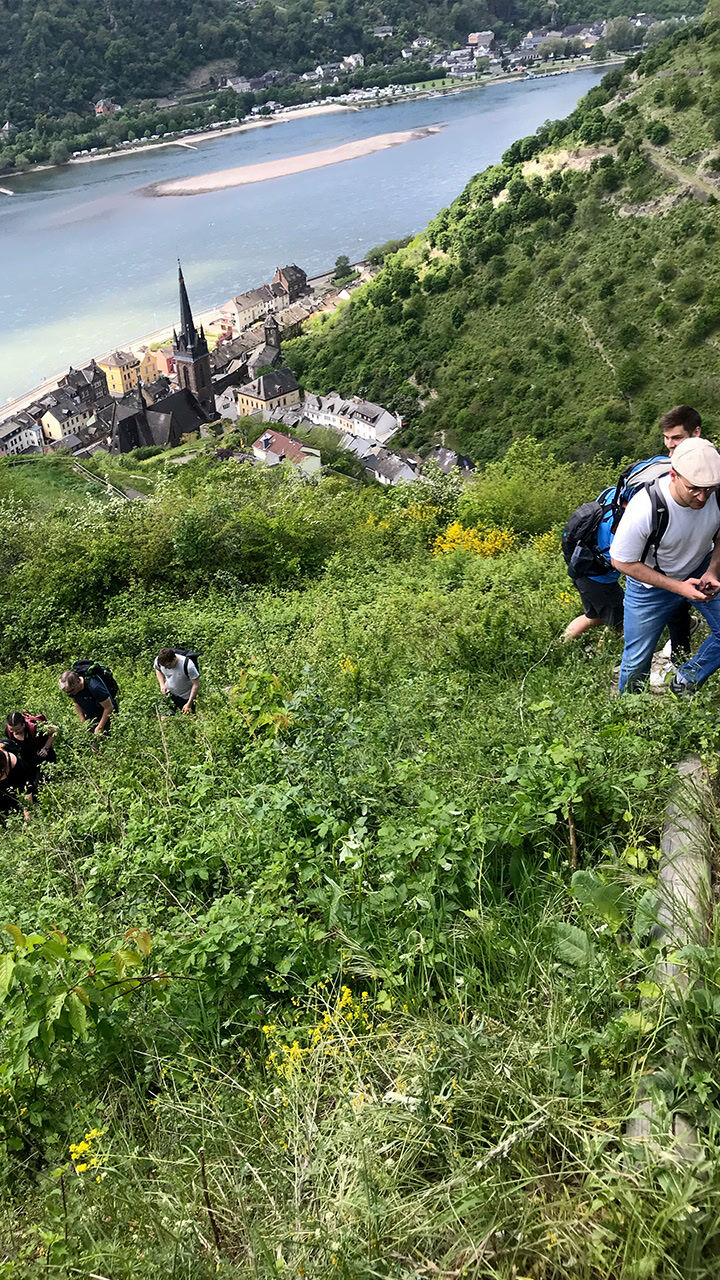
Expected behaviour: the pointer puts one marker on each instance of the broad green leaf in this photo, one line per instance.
(572, 945)
(54, 1008)
(649, 990)
(125, 960)
(636, 1020)
(29, 1032)
(606, 899)
(16, 934)
(7, 965)
(76, 1014)
(81, 952)
(645, 915)
(55, 948)
(142, 940)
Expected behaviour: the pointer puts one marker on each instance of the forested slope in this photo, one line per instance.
(570, 292)
(59, 56)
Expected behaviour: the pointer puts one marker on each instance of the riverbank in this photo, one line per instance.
(317, 109)
(284, 167)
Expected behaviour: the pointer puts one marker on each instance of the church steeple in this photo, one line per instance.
(188, 332)
(190, 351)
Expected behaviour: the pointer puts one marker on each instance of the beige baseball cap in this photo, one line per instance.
(697, 461)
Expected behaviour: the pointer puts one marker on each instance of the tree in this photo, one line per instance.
(342, 268)
(554, 48)
(599, 51)
(620, 34)
(59, 153)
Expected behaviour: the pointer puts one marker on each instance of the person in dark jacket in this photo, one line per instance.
(31, 739)
(14, 785)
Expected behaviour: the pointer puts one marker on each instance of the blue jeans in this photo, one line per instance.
(647, 611)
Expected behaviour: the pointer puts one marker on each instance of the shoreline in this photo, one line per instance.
(286, 166)
(321, 108)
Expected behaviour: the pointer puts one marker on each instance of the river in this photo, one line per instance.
(89, 261)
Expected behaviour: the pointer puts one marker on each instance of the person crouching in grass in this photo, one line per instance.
(179, 680)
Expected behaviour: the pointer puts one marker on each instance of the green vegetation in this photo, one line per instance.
(43, 482)
(349, 970)
(352, 974)
(511, 314)
(345, 976)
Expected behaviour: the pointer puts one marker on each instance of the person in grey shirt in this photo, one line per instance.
(179, 679)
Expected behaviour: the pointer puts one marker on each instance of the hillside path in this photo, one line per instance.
(699, 187)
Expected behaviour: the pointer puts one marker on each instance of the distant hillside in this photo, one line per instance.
(59, 56)
(570, 292)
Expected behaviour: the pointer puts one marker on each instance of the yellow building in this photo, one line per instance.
(267, 392)
(149, 371)
(122, 370)
(65, 419)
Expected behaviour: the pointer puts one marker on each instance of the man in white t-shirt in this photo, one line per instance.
(667, 546)
(179, 679)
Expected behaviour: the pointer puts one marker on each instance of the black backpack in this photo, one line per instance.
(189, 655)
(579, 540)
(89, 669)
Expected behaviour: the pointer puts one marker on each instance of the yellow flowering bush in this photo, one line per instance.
(546, 544)
(484, 540)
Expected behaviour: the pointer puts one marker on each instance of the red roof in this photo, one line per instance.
(276, 442)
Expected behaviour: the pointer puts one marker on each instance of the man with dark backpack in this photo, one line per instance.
(93, 688)
(668, 545)
(589, 531)
(178, 675)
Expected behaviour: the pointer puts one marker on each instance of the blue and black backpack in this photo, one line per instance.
(579, 539)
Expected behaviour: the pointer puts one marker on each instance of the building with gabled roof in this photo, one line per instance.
(20, 434)
(270, 390)
(122, 371)
(274, 447)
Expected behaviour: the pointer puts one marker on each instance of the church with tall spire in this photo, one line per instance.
(191, 355)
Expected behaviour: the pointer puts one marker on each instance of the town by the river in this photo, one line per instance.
(88, 260)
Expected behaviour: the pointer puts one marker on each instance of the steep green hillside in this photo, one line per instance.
(571, 292)
(344, 976)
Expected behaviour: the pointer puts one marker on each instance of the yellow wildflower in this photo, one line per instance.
(485, 540)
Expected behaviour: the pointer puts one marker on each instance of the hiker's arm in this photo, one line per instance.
(653, 578)
(192, 695)
(50, 737)
(107, 710)
(80, 711)
(161, 680)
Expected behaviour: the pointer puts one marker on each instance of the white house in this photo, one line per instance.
(20, 434)
(355, 416)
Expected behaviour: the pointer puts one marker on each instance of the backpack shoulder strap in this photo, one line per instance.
(658, 525)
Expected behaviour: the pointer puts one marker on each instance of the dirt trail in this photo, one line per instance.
(698, 186)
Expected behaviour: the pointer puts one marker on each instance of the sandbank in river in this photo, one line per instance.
(286, 166)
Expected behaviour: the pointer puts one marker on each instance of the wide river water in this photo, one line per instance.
(87, 261)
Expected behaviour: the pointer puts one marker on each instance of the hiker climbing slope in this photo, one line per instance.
(667, 546)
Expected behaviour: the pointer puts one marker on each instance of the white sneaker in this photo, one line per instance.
(660, 672)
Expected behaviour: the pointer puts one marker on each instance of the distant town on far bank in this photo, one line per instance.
(37, 131)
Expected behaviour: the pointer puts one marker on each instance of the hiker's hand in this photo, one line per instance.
(42, 755)
(693, 591)
(709, 584)
(187, 709)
